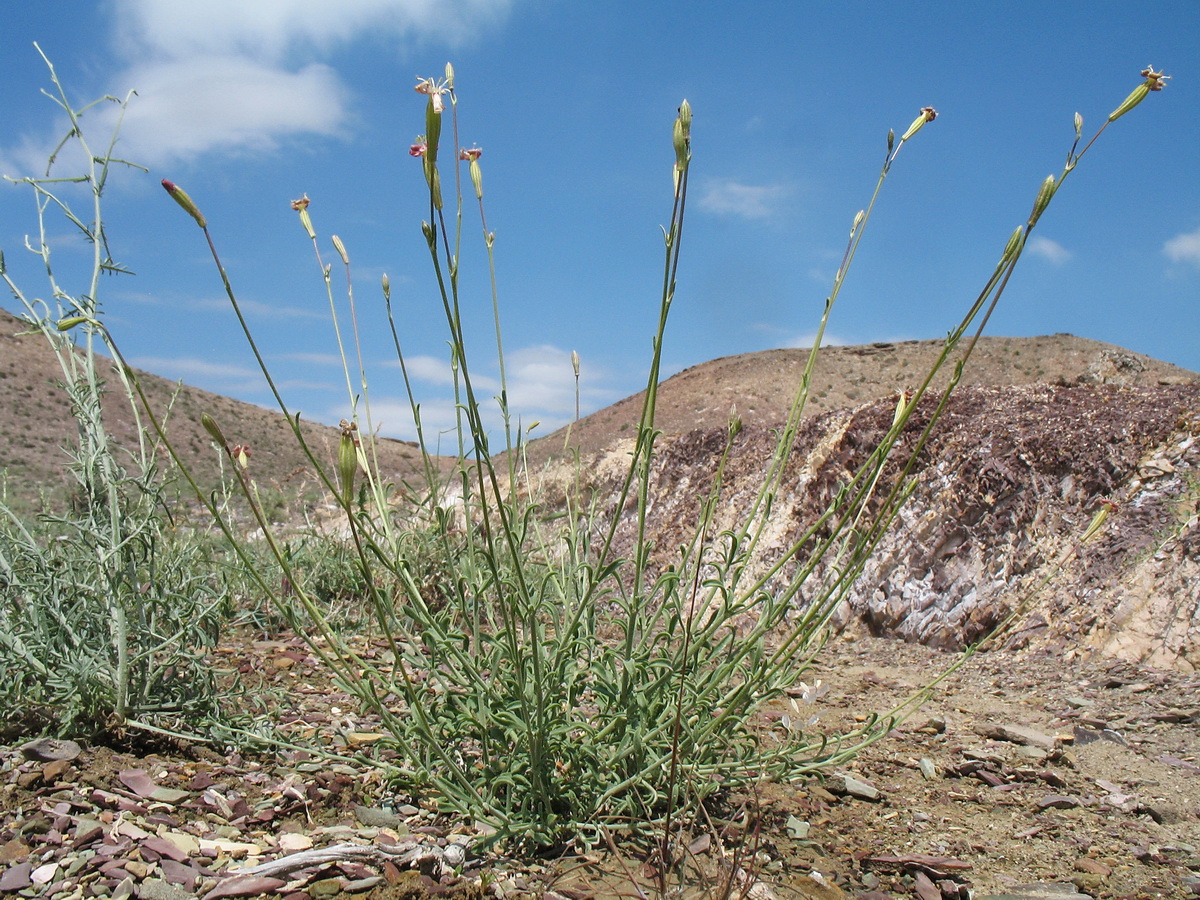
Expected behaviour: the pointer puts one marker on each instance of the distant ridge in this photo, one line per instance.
(761, 385)
(35, 422)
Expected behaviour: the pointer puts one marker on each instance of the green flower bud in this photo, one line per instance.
(347, 459)
(685, 118)
(186, 202)
(341, 249)
(1013, 245)
(1107, 508)
(901, 408)
(449, 76)
(681, 138)
(387, 287)
(1045, 194)
(1078, 126)
(211, 426)
(69, 323)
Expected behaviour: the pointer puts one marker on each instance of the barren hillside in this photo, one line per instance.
(35, 423)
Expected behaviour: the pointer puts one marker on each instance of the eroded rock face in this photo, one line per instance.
(1007, 482)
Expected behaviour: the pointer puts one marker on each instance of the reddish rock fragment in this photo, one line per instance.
(926, 889)
(245, 886)
(1058, 801)
(86, 831)
(164, 848)
(1092, 867)
(16, 878)
(179, 873)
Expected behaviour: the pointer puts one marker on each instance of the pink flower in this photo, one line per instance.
(418, 149)
(240, 454)
(470, 155)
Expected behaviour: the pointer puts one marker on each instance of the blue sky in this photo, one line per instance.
(249, 105)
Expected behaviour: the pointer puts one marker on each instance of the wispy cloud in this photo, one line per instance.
(541, 389)
(312, 359)
(1184, 248)
(1051, 251)
(729, 197)
(183, 366)
(272, 28)
(436, 370)
(238, 76)
(223, 378)
(203, 104)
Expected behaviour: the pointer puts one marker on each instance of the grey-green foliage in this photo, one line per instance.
(97, 637)
(105, 609)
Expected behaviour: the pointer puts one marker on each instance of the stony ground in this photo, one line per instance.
(1075, 775)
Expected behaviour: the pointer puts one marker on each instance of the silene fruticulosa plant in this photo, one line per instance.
(105, 609)
(538, 682)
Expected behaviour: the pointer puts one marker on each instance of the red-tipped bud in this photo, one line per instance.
(185, 201)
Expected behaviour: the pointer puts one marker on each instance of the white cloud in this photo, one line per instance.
(1184, 248)
(541, 388)
(1052, 251)
(182, 367)
(436, 370)
(269, 29)
(230, 379)
(726, 196)
(394, 418)
(202, 104)
(221, 76)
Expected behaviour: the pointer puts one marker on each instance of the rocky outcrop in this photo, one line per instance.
(1004, 488)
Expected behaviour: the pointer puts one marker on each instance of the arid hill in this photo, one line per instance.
(1040, 432)
(35, 422)
(760, 386)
